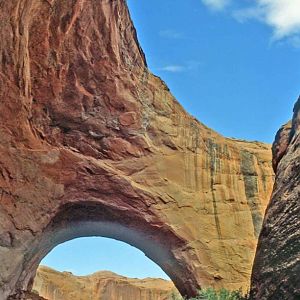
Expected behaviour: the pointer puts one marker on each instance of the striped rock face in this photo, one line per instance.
(276, 268)
(104, 285)
(93, 144)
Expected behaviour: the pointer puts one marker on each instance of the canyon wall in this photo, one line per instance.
(93, 144)
(104, 285)
(276, 268)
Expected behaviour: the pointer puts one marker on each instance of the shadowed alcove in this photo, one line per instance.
(91, 219)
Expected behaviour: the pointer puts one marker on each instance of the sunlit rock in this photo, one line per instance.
(104, 285)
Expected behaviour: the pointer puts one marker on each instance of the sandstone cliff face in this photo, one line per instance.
(103, 285)
(276, 269)
(91, 143)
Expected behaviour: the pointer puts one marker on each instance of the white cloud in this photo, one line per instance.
(170, 34)
(172, 68)
(216, 4)
(246, 14)
(282, 15)
(187, 66)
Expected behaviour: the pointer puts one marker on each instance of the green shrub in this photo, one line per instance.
(223, 294)
(175, 296)
(212, 294)
(35, 292)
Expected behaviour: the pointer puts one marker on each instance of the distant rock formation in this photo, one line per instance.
(93, 144)
(104, 285)
(276, 271)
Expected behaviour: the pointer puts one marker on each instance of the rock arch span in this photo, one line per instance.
(86, 218)
(85, 124)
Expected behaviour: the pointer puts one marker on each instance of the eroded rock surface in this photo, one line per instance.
(91, 143)
(104, 285)
(276, 270)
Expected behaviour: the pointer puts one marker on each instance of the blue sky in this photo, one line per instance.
(234, 65)
(84, 256)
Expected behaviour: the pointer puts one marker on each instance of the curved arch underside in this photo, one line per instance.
(83, 219)
(92, 143)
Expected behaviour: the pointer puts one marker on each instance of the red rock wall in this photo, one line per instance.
(276, 268)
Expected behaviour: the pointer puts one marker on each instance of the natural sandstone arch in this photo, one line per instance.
(86, 218)
(84, 121)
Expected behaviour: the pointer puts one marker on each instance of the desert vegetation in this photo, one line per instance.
(212, 294)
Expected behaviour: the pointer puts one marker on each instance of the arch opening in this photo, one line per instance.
(88, 255)
(93, 219)
(100, 268)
